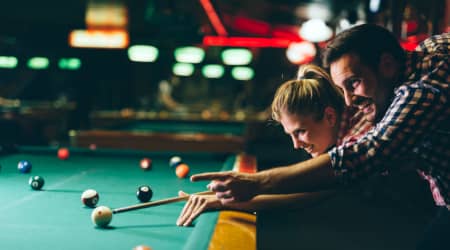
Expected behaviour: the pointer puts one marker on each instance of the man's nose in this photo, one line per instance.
(348, 96)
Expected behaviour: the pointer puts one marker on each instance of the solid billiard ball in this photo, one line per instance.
(90, 198)
(142, 247)
(63, 153)
(36, 182)
(146, 164)
(182, 170)
(101, 216)
(175, 161)
(24, 166)
(144, 193)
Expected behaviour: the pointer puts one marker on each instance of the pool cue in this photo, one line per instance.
(157, 203)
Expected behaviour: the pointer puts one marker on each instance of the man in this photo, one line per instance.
(409, 97)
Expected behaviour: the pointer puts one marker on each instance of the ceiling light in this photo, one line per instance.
(315, 30)
(213, 71)
(142, 53)
(242, 73)
(236, 56)
(183, 69)
(189, 54)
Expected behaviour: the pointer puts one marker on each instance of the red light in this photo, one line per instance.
(251, 42)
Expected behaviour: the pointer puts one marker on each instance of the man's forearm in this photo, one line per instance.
(294, 201)
(307, 176)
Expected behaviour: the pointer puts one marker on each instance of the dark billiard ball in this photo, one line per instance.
(146, 164)
(144, 193)
(24, 166)
(36, 182)
(63, 153)
(90, 198)
(175, 161)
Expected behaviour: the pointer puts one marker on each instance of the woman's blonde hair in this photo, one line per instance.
(309, 94)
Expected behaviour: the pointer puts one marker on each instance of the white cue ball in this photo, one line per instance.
(90, 198)
(101, 216)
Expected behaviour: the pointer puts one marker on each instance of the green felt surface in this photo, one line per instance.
(55, 218)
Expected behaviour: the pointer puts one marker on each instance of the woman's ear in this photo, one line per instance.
(330, 116)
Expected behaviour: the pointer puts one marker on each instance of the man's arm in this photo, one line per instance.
(311, 175)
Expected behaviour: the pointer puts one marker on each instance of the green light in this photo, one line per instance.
(242, 73)
(213, 71)
(69, 63)
(236, 56)
(189, 54)
(142, 53)
(38, 63)
(183, 69)
(8, 62)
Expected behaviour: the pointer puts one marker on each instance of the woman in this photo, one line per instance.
(311, 110)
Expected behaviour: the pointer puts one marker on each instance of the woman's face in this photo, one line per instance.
(315, 137)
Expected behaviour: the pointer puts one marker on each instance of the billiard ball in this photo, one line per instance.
(101, 216)
(175, 161)
(144, 193)
(36, 182)
(24, 166)
(63, 153)
(90, 198)
(142, 247)
(182, 170)
(146, 164)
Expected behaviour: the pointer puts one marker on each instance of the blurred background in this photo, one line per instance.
(81, 73)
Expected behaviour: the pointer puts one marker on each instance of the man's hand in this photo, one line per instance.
(231, 186)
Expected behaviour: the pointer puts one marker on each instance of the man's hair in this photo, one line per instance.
(309, 94)
(367, 41)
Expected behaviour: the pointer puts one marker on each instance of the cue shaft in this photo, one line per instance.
(157, 203)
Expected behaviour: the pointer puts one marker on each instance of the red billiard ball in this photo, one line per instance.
(146, 164)
(36, 182)
(90, 198)
(63, 153)
(144, 193)
(182, 170)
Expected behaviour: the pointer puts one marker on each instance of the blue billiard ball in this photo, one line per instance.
(24, 166)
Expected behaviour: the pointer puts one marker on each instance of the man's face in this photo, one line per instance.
(362, 87)
(315, 137)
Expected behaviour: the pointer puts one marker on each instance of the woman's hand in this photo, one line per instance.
(196, 205)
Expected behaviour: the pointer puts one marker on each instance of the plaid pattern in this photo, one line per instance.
(415, 131)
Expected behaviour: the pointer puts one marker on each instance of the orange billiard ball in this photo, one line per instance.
(63, 153)
(146, 164)
(182, 170)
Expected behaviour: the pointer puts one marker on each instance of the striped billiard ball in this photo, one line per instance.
(90, 198)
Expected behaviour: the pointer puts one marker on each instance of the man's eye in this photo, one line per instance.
(299, 132)
(355, 83)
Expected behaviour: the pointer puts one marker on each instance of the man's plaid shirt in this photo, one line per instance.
(415, 130)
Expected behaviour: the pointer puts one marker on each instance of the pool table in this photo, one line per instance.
(55, 218)
(161, 135)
